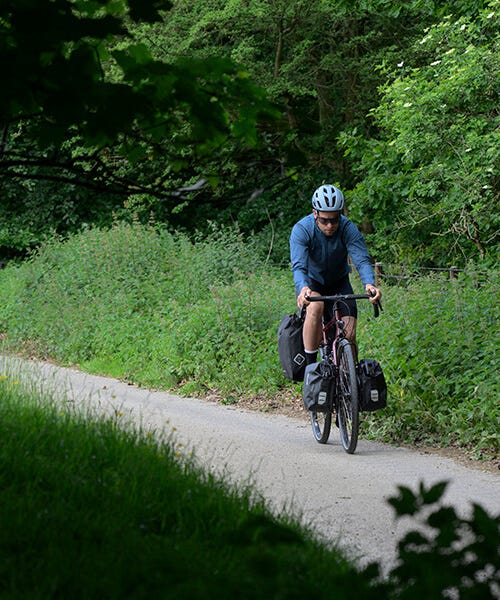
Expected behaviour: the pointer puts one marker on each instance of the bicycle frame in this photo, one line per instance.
(343, 355)
(336, 321)
(337, 324)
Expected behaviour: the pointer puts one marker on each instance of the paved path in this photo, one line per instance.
(343, 497)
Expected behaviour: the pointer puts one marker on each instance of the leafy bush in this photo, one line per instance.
(154, 306)
(437, 343)
(449, 556)
(429, 182)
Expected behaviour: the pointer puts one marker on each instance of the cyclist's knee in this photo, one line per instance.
(350, 328)
(314, 311)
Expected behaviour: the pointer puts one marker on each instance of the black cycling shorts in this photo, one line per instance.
(342, 286)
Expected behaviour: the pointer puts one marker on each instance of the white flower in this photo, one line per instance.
(490, 15)
(468, 150)
(407, 104)
(485, 187)
(401, 63)
(436, 62)
(464, 26)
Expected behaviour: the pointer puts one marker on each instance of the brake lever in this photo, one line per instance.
(377, 308)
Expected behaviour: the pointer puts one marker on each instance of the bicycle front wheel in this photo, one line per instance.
(321, 423)
(348, 397)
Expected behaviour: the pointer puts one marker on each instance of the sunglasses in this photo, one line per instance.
(325, 221)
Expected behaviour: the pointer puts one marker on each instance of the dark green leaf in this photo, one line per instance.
(406, 503)
(434, 493)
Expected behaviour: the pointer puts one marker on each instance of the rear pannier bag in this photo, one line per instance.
(373, 388)
(318, 390)
(291, 347)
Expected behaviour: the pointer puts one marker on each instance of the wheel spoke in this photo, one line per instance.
(321, 424)
(347, 402)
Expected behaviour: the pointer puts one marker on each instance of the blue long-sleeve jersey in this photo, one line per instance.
(316, 256)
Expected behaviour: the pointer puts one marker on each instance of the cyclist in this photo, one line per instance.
(319, 246)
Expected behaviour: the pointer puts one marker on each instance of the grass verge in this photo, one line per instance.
(92, 510)
(154, 308)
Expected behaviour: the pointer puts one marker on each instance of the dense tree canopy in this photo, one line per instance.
(84, 104)
(234, 111)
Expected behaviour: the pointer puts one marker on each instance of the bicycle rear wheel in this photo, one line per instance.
(348, 397)
(321, 423)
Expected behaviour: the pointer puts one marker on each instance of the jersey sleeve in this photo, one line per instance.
(358, 252)
(299, 256)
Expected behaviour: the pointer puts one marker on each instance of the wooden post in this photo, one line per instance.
(453, 272)
(378, 273)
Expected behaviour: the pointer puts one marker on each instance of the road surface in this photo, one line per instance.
(342, 497)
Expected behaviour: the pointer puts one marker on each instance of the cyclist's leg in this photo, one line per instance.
(312, 326)
(350, 328)
(349, 309)
(311, 332)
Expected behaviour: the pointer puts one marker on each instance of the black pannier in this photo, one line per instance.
(318, 391)
(373, 388)
(291, 347)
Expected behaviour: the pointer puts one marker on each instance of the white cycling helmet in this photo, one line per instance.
(328, 198)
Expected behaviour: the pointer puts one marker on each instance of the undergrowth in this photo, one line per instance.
(152, 307)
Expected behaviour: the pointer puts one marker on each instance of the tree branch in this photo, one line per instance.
(118, 186)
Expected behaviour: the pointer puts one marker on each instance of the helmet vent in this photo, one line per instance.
(329, 198)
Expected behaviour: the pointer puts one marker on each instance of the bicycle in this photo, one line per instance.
(341, 353)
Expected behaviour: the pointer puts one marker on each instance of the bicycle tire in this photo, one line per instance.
(348, 397)
(321, 423)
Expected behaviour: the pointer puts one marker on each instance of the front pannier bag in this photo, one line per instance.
(373, 388)
(318, 390)
(291, 347)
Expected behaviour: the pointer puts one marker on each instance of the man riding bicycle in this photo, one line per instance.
(319, 246)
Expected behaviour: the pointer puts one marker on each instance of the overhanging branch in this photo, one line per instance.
(117, 187)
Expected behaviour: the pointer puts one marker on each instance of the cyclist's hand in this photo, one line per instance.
(301, 298)
(374, 292)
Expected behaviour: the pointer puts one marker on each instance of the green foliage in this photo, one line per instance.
(437, 342)
(429, 180)
(155, 308)
(234, 111)
(325, 76)
(88, 106)
(449, 555)
(33, 212)
(164, 309)
(59, 41)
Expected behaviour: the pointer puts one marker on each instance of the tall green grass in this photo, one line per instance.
(92, 509)
(153, 307)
